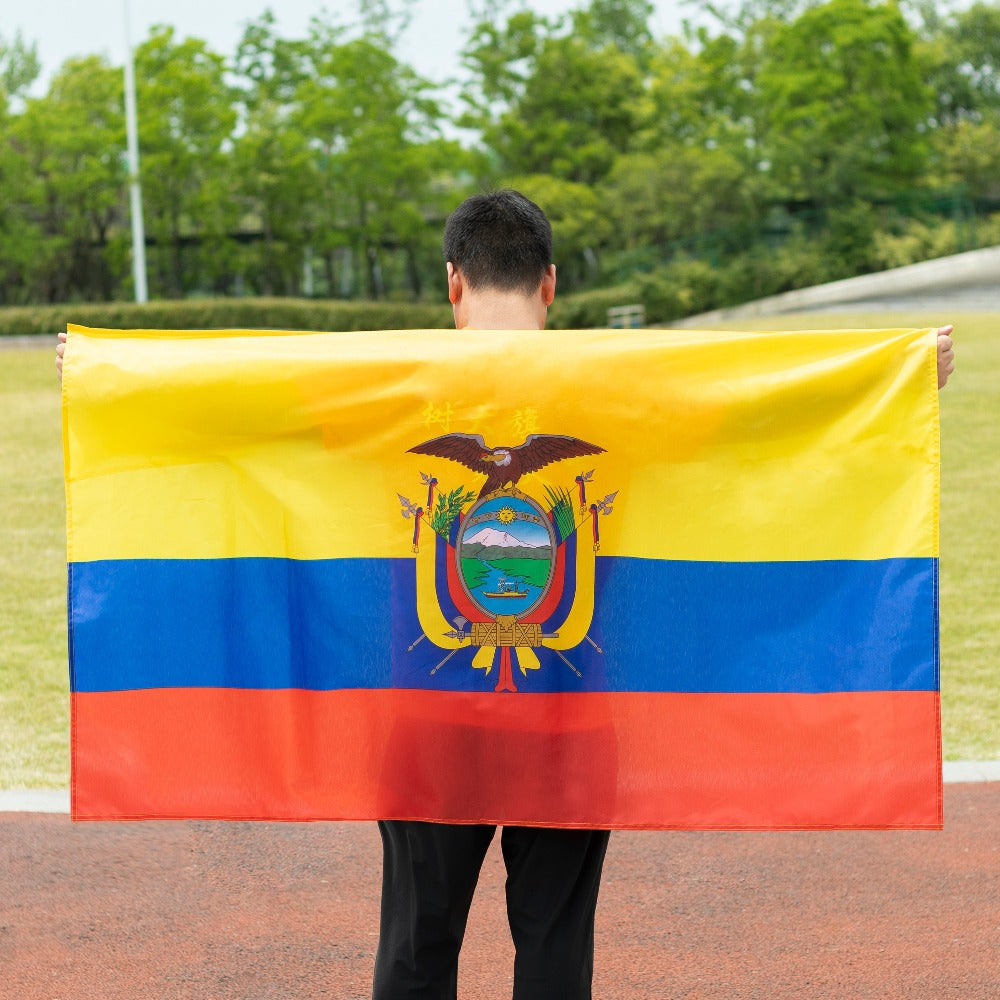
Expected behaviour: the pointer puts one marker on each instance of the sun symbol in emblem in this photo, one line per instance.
(506, 515)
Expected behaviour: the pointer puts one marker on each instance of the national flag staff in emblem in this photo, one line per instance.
(700, 592)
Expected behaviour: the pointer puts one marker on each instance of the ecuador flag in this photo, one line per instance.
(652, 579)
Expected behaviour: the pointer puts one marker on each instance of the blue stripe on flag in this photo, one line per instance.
(263, 623)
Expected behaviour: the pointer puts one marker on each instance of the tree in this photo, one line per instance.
(581, 223)
(657, 199)
(373, 127)
(975, 34)
(705, 89)
(574, 130)
(499, 57)
(19, 234)
(186, 121)
(557, 97)
(622, 24)
(696, 167)
(960, 56)
(273, 164)
(740, 19)
(969, 155)
(959, 52)
(21, 237)
(844, 103)
(19, 67)
(71, 141)
(706, 96)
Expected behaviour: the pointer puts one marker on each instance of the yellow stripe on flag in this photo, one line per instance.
(707, 436)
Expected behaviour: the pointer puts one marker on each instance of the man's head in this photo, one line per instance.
(501, 241)
(499, 249)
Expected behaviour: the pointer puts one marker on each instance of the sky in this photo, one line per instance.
(64, 28)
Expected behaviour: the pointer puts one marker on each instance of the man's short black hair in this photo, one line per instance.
(500, 240)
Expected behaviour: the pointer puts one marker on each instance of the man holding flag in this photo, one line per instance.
(498, 249)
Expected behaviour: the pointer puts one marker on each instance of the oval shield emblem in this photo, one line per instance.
(506, 554)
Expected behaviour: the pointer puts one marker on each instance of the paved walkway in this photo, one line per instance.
(943, 287)
(237, 911)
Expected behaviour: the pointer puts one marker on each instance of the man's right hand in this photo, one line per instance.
(60, 351)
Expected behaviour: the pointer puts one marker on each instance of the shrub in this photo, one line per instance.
(227, 314)
(580, 311)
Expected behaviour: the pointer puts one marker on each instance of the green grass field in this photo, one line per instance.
(34, 709)
(34, 688)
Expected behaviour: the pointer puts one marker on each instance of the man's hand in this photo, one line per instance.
(945, 355)
(61, 350)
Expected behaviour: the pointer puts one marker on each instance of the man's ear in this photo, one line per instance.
(455, 284)
(549, 285)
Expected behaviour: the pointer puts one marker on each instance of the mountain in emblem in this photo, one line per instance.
(489, 545)
(504, 539)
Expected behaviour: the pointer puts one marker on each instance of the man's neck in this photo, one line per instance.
(500, 311)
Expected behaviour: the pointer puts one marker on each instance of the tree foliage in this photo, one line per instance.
(844, 102)
(184, 134)
(769, 143)
(19, 67)
(358, 98)
(70, 177)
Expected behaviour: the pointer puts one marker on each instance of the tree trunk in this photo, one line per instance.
(331, 281)
(268, 258)
(178, 256)
(376, 287)
(413, 271)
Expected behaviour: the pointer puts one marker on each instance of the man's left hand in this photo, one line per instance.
(945, 355)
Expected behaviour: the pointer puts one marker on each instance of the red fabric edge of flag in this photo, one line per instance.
(857, 760)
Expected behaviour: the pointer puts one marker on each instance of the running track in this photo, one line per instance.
(216, 911)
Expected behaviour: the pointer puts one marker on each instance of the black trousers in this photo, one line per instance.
(429, 874)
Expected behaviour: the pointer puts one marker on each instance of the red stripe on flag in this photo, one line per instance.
(662, 761)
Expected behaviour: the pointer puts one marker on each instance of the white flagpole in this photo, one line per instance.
(135, 190)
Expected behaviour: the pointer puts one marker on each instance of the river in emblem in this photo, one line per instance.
(506, 554)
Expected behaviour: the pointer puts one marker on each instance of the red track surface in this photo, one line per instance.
(215, 911)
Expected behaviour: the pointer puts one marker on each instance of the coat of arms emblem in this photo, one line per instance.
(504, 574)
